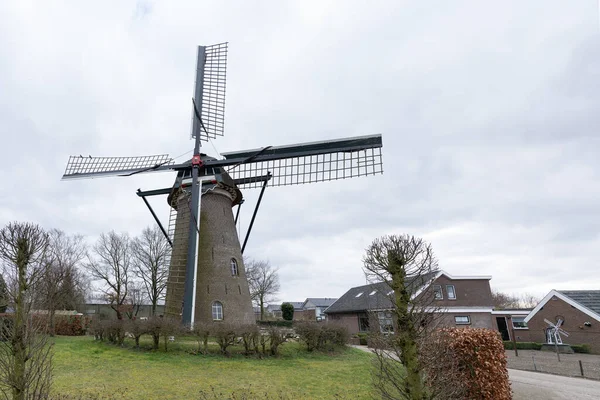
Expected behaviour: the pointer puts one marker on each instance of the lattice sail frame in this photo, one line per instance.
(209, 94)
(89, 167)
(312, 169)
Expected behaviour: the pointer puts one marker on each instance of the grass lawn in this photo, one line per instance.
(85, 367)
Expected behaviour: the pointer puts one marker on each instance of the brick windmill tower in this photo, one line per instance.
(207, 280)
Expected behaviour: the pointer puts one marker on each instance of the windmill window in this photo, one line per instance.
(234, 267)
(462, 320)
(451, 292)
(437, 292)
(217, 311)
(519, 323)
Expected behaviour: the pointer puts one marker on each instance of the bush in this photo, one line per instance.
(225, 335)
(249, 335)
(276, 338)
(322, 336)
(581, 348)
(202, 331)
(362, 338)
(71, 325)
(481, 362)
(508, 345)
(136, 328)
(286, 324)
(287, 311)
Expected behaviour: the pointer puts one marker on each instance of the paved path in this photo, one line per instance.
(529, 385)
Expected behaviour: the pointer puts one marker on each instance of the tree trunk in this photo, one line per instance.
(406, 338)
(52, 313)
(19, 348)
(262, 308)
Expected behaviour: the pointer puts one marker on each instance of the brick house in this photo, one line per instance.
(579, 311)
(461, 300)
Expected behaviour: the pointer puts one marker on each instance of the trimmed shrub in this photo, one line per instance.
(481, 362)
(136, 328)
(284, 324)
(362, 338)
(249, 335)
(202, 331)
(153, 327)
(225, 335)
(508, 345)
(169, 327)
(276, 338)
(287, 311)
(322, 336)
(581, 348)
(71, 325)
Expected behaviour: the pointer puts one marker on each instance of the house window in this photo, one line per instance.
(519, 323)
(373, 292)
(217, 311)
(450, 291)
(363, 323)
(385, 322)
(437, 292)
(360, 294)
(234, 267)
(462, 320)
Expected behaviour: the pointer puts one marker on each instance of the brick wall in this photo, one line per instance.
(469, 292)
(573, 325)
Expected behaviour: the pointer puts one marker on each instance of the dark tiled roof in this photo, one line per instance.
(375, 296)
(587, 298)
(370, 297)
(320, 302)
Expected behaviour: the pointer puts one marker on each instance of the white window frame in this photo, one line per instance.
(436, 292)
(235, 271)
(360, 294)
(217, 311)
(462, 323)
(453, 297)
(522, 318)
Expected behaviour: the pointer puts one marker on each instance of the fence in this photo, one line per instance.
(582, 365)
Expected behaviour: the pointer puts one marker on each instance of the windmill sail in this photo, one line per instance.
(209, 91)
(96, 167)
(307, 162)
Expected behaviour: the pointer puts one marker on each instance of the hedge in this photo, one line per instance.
(508, 345)
(481, 361)
(283, 323)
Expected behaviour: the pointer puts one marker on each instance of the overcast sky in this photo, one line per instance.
(488, 111)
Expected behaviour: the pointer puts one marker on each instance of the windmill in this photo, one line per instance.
(206, 275)
(554, 331)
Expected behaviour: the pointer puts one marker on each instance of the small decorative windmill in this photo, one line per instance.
(554, 331)
(206, 276)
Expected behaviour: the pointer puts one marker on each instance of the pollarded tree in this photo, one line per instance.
(111, 264)
(25, 355)
(151, 254)
(263, 281)
(407, 264)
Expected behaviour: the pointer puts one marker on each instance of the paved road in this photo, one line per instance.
(529, 385)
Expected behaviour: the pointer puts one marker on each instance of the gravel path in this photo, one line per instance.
(543, 361)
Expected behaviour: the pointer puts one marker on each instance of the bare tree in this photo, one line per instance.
(151, 253)
(61, 286)
(25, 355)
(112, 266)
(263, 281)
(408, 265)
(135, 298)
(504, 300)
